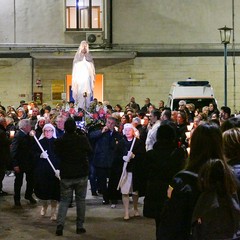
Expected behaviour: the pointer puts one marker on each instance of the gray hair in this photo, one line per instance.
(24, 123)
(9, 119)
(61, 117)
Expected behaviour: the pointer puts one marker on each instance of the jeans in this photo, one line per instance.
(67, 186)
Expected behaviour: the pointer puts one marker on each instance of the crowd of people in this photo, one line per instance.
(182, 161)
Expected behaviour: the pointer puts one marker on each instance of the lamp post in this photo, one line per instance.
(225, 34)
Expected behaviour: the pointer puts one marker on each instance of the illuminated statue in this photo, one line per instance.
(83, 76)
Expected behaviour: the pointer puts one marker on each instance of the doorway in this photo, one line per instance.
(97, 91)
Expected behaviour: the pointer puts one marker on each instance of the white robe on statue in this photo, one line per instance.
(83, 77)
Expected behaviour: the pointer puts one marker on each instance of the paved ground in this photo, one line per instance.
(102, 222)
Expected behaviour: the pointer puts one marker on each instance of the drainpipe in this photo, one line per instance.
(14, 21)
(110, 22)
(33, 63)
(234, 58)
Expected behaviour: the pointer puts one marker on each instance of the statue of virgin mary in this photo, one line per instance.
(83, 76)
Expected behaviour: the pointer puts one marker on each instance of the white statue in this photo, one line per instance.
(83, 76)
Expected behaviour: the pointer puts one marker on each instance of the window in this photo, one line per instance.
(84, 15)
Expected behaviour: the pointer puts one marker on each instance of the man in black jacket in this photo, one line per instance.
(5, 152)
(72, 149)
(23, 162)
(105, 141)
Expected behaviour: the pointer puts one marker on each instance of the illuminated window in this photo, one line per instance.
(82, 15)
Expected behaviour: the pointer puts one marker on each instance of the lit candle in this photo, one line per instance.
(190, 126)
(187, 134)
(12, 134)
(188, 151)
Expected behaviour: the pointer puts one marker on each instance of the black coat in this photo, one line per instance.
(105, 144)
(135, 165)
(5, 150)
(22, 151)
(46, 184)
(177, 213)
(72, 150)
(235, 164)
(219, 214)
(161, 164)
(181, 130)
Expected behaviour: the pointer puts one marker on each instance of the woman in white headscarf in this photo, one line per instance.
(83, 76)
(132, 180)
(46, 184)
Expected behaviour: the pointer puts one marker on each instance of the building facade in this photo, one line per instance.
(140, 47)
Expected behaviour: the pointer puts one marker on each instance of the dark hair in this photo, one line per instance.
(214, 106)
(70, 125)
(156, 113)
(226, 110)
(167, 112)
(126, 117)
(119, 106)
(206, 143)
(216, 175)
(216, 121)
(166, 134)
(184, 115)
(109, 107)
(231, 144)
(48, 108)
(230, 123)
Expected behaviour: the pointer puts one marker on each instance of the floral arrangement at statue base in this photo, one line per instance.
(93, 118)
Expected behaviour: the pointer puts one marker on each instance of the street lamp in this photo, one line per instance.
(225, 34)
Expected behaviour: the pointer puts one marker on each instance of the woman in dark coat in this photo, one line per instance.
(46, 183)
(176, 217)
(231, 148)
(133, 181)
(182, 122)
(162, 163)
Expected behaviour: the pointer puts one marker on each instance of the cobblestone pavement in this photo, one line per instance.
(102, 222)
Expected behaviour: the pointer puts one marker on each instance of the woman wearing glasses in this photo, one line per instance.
(46, 183)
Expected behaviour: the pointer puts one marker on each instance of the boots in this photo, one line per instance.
(125, 199)
(53, 210)
(44, 207)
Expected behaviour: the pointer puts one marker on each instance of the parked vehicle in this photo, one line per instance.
(200, 93)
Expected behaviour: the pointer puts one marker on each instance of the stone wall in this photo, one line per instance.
(141, 77)
(15, 80)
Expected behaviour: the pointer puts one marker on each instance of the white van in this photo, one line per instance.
(200, 93)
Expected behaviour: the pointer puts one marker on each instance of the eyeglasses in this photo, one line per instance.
(48, 130)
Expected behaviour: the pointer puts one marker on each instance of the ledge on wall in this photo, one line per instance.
(117, 51)
(95, 54)
(59, 52)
